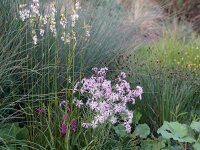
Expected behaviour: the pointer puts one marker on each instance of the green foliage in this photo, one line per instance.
(174, 135)
(195, 126)
(120, 130)
(171, 89)
(136, 117)
(152, 145)
(142, 130)
(10, 133)
(196, 146)
(176, 131)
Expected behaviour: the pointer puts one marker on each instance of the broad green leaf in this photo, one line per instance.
(136, 117)
(176, 131)
(196, 146)
(142, 130)
(152, 145)
(120, 130)
(176, 147)
(195, 126)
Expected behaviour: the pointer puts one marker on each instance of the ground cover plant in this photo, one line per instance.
(80, 75)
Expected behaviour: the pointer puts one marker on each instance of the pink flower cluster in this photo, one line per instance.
(107, 101)
(64, 128)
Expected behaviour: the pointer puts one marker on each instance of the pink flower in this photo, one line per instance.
(106, 85)
(138, 92)
(65, 105)
(102, 71)
(85, 125)
(93, 105)
(77, 102)
(73, 125)
(100, 79)
(113, 120)
(40, 110)
(63, 129)
(128, 127)
(64, 118)
(122, 75)
(103, 106)
(129, 116)
(118, 108)
(108, 102)
(68, 109)
(95, 69)
(93, 124)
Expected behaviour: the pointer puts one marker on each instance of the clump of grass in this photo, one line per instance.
(171, 89)
(12, 79)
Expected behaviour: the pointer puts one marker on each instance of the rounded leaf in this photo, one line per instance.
(195, 126)
(142, 130)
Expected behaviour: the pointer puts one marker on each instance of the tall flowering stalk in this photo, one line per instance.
(107, 101)
(33, 14)
(63, 128)
(73, 125)
(51, 21)
(64, 25)
(66, 123)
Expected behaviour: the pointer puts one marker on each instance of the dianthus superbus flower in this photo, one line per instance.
(77, 102)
